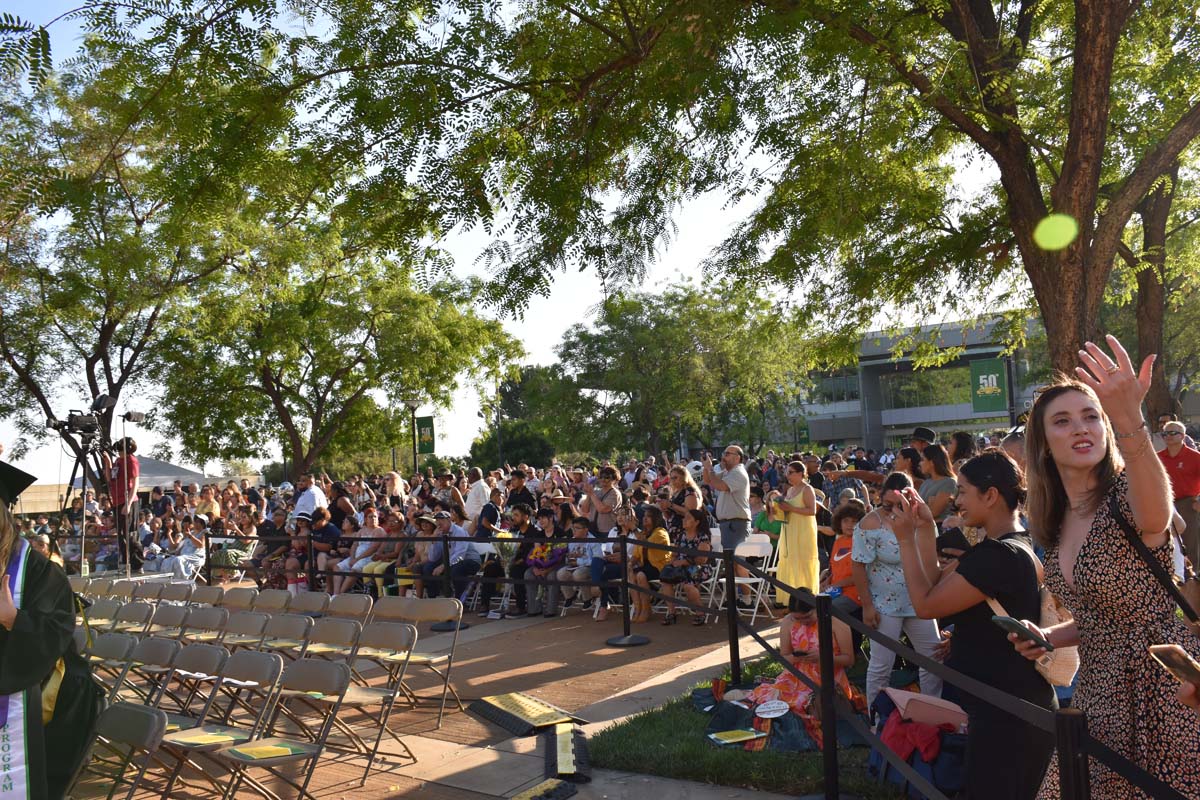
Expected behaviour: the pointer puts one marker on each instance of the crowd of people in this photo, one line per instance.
(929, 541)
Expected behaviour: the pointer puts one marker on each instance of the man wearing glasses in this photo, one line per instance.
(1160, 441)
(1183, 468)
(733, 495)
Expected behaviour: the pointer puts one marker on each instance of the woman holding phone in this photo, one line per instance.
(1091, 463)
(1001, 566)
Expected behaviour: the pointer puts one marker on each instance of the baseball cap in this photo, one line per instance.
(442, 515)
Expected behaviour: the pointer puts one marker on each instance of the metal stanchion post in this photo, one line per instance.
(731, 610)
(828, 687)
(1070, 730)
(627, 639)
(447, 589)
(207, 561)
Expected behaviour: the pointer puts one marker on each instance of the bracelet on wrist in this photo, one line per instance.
(1132, 433)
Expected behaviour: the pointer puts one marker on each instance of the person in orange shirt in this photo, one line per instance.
(1182, 464)
(841, 574)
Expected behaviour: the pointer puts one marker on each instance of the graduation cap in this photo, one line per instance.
(12, 482)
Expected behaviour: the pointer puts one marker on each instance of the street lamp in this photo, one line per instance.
(678, 415)
(412, 407)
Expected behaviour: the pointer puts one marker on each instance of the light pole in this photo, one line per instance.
(678, 415)
(412, 407)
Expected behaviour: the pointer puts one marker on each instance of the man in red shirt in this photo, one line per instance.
(122, 488)
(1183, 468)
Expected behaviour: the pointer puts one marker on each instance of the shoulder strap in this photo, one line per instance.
(1160, 573)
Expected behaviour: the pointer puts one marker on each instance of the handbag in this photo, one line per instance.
(1187, 595)
(1059, 665)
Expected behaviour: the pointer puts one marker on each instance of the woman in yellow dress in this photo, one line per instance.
(798, 565)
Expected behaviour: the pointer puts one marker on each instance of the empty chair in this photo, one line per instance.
(287, 632)
(150, 661)
(195, 667)
(168, 621)
(350, 606)
(122, 590)
(272, 601)
(206, 595)
(311, 678)
(98, 587)
(333, 638)
(134, 734)
(205, 624)
(416, 610)
(109, 654)
(389, 645)
(132, 618)
(148, 591)
(78, 584)
(245, 629)
(100, 614)
(238, 599)
(248, 681)
(177, 593)
(312, 603)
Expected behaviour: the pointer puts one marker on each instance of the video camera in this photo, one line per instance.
(86, 424)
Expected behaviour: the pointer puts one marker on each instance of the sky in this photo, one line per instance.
(701, 225)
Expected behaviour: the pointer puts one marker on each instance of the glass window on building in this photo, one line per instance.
(927, 387)
(836, 388)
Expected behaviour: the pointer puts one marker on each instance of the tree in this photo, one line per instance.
(522, 444)
(719, 357)
(556, 406)
(316, 344)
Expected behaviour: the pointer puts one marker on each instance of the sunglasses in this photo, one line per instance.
(1172, 433)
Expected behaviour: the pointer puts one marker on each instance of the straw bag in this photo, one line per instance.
(1059, 665)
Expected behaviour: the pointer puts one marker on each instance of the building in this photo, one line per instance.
(879, 402)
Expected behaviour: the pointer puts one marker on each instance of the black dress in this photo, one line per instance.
(40, 636)
(1006, 756)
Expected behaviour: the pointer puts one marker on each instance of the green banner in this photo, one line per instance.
(425, 441)
(802, 434)
(989, 386)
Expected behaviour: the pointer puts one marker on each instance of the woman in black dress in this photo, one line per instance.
(1006, 756)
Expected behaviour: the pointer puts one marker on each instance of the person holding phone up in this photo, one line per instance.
(1089, 460)
(1002, 566)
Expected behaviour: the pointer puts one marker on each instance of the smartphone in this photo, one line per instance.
(954, 539)
(1175, 660)
(1010, 625)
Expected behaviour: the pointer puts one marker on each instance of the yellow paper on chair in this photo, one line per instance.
(205, 738)
(265, 751)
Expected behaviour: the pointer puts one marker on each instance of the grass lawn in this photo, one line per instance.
(670, 741)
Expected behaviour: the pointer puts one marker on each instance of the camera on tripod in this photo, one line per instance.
(86, 424)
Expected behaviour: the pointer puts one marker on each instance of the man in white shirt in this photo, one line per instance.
(310, 496)
(477, 496)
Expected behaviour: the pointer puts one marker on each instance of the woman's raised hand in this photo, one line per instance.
(1120, 389)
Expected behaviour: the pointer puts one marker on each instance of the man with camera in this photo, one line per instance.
(122, 490)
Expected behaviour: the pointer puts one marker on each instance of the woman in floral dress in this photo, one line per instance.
(690, 571)
(1075, 473)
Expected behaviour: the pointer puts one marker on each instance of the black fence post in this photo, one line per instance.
(829, 748)
(1070, 730)
(731, 610)
(627, 638)
(207, 560)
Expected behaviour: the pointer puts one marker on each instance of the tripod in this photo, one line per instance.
(89, 446)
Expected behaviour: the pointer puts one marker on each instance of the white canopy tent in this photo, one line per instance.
(153, 472)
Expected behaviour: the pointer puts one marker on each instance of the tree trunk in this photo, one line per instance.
(1069, 311)
(1155, 211)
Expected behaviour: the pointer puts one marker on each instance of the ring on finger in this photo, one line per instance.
(1113, 370)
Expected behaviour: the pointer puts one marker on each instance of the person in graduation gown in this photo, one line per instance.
(37, 620)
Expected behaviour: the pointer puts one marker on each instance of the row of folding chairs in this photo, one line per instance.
(199, 706)
(294, 635)
(181, 593)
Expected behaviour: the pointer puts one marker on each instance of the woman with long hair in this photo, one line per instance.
(682, 496)
(1093, 473)
(799, 565)
(645, 564)
(962, 447)
(37, 614)
(908, 461)
(692, 571)
(1000, 569)
(938, 489)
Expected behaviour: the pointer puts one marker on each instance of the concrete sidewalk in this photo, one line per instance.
(509, 767)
